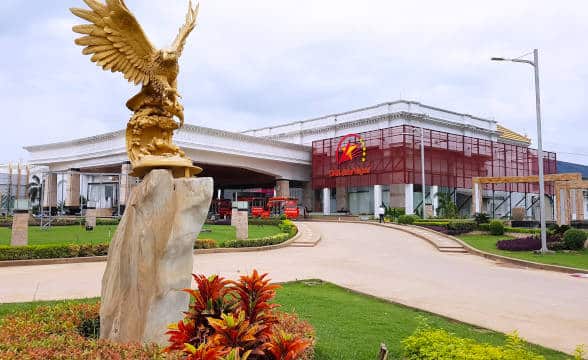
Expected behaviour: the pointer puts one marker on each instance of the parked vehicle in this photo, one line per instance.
(277, 206)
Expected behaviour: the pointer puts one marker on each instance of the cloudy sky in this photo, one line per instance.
(262, 62)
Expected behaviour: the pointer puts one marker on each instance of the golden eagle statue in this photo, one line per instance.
(117, 42)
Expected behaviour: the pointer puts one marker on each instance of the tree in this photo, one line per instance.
(34, 189)
(447, 208)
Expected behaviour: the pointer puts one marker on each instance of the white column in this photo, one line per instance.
(434, 198)
(476, 198)
(408, 199)
(326, 201)
(562, 207)
(574, 208)
(555, 207)
(377, 198)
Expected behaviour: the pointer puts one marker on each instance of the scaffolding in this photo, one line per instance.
(392, 156)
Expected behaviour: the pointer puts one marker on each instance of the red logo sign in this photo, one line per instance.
(351, 147)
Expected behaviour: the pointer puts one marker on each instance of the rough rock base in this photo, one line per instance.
(151, 258)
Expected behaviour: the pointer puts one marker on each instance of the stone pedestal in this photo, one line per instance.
(20, 229)
(151, 258)
(241, 224)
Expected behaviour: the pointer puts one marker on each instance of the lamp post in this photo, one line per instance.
(535, 65)
(422, 131)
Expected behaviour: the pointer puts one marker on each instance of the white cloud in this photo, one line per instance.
(262, 62)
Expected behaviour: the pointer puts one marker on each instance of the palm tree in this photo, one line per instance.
(34, 189)
(447, 208)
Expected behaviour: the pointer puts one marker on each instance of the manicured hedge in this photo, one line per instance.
(532, 243)
(271, 222)
(408, 219)
(521, 230)
(70, 251)
(438, 344)
(7, 222)
(51, 251)
(431, 223)
(266, 241)
(461, 226)
(451, 227)
(205, 244)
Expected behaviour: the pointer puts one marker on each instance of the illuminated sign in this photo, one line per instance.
(350, 172)
(351, 147)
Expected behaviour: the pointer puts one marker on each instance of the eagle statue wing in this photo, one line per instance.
(186, 29)
(115, 40)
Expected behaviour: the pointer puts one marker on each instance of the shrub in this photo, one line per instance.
(421, 222)
(481, 218)
(407, 219)
(65, 331)
(205, 244)
(438, 344)
(496, 227)
(237, 318)
(557, 246)
(269, 222)
(288, 226)
(529, 243)
(457, 227)
(521, 230)
(574, 239)
(393, 213)
(107, 221)
(437, 228)
(266, 241)
(51, 251)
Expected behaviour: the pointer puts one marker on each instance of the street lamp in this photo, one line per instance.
(422, 131)
(535, 65)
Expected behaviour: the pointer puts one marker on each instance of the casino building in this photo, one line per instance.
(349, 162)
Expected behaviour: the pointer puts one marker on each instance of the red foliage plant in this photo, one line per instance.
(236, 319)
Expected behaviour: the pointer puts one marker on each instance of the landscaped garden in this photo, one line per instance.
(566, 244)
(69, 241)
(488, 243)
(346, 326)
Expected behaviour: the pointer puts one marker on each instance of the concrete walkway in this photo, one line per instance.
(547, 308)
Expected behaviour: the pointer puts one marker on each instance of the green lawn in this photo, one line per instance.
(576, 259)
(75, 234)
(222, 233)
(103, 233)
(352, 326)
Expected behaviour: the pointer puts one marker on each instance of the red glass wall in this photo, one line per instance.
(393, 157)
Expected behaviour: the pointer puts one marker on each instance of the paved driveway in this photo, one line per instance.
(547, 308)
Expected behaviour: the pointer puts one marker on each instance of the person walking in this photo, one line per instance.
(381, 212)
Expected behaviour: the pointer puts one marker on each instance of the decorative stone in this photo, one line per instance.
(151, 258)
(241, 223)
(20, 229)
(90, 219)
(518, 213)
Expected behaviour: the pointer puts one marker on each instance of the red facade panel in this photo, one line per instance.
(392, 156)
